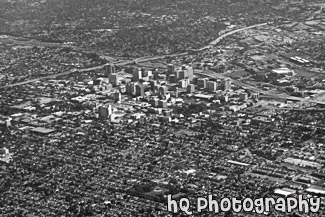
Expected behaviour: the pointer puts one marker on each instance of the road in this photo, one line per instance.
(211, 44)
(66, 73)
(220, 38)
(265, 94)
(212, 74)
(139, 60)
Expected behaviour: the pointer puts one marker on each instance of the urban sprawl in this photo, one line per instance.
(103, 133)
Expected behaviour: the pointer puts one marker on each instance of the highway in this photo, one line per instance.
(212, 74)
(66, 73)
(264, 94)
(211, 44)
(220, 38)
(141, 59)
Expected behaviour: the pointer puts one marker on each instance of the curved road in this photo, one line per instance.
(138, 60)
(211, 44)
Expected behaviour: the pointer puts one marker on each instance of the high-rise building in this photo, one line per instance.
(227, 84)
(153, 83)
(201, 83)
(130, 88)
(172, 78)
(171, 68)
(117, 97)
(183, 74)
(190, 88)
(143, 72)
(114, 79)
(163, 90)
(109, 69)
(194, 80)
(104, 111)
(182, 83)
(243, 97)
(139, 90)
(162, 103)
(190, 72)
(177, 74)
(137, 75)
(211, 86)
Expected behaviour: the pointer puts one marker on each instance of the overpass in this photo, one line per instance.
(211, 44)
(120, 63)
(263, 93)
(237, 83)
(138, 60)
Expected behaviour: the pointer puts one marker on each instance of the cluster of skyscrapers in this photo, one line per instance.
(156, 85)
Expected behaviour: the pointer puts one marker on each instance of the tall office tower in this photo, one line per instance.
(139, 90)
(243, 97)
(227, 84)
(190, 88)
(211, 86)
(104, 111)
(130, 88)
(163, 90)
(110, 69)
(202, 83)
(117, 97)
(187, 82)
(171, 68)
(182, 83)
(137, 75)
(190, 72)
(114, 79)
(177, 74)
(194, 80)
(172, 79)
(143, 71)
(153, 83)
(183, 74)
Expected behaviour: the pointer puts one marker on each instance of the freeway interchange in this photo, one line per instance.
(205, 73)
(138, 60)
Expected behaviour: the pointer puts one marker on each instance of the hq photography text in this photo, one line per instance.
(259, 205)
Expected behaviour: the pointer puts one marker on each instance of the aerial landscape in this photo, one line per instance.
(129, 107)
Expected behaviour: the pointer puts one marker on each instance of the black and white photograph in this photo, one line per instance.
(162, 108)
